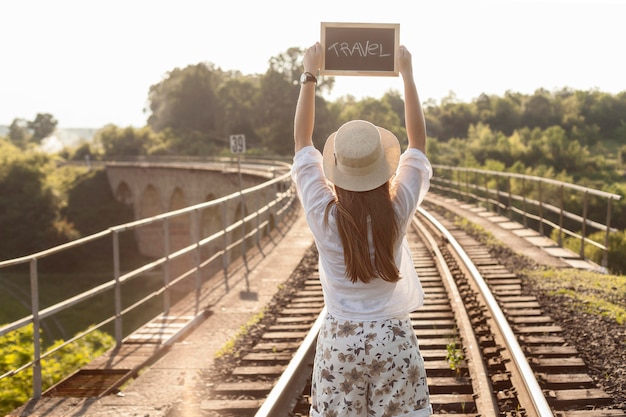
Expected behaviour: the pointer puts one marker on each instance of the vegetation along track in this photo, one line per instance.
(469, 362)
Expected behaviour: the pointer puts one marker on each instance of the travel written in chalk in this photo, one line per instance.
(360, 48)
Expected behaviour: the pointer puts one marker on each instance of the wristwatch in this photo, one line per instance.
(306, 77)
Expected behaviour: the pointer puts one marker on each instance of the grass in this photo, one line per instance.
(454, 356)
(591, 292)
(229, 347)
(597, 294)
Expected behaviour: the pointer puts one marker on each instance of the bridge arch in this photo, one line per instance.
(123, 193)
(180, 225)
(150, 237)
(155, 188)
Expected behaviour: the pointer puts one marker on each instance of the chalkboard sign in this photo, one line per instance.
(360, 48)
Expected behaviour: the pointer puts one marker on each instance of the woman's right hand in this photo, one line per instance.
(405, 62)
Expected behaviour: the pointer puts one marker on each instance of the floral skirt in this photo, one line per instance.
(368, 368)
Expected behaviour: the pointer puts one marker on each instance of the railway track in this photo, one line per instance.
(488, 348)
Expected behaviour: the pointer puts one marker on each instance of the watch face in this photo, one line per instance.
(303, 78)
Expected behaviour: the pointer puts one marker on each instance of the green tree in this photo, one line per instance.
(608, 112)
(539, 111)
(621, 157)
(505, 115)
(18, 133)
(276, 102)
(185, 101)
(42, 127)
(119, 142)
(28, 207)
(453, 118)
(238, 100)
(16, 349)
(562, 153)
(274, 121)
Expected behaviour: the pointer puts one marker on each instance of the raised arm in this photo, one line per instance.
(305, 108)
(413, 114)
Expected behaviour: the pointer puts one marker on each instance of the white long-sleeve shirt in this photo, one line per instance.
(378, 299)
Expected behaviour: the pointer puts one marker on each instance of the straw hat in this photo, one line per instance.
(360, 156)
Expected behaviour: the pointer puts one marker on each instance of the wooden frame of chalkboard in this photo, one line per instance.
(360, 48)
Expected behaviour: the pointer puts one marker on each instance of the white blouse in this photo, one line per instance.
(378, 299)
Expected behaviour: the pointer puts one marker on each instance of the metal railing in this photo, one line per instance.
(544, 202)
(209, 248)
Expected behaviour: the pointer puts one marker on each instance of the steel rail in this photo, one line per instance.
(281, 399)
(535, 392)
(486, 404)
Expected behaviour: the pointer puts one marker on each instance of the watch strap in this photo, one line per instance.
(309, 77)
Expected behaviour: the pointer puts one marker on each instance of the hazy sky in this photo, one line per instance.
(90, 63)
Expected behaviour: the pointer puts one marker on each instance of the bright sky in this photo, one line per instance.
(90, 63)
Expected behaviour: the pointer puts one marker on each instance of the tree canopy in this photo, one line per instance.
(579, 136)
(23, 132)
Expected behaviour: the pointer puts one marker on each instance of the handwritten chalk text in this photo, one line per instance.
(358, 49)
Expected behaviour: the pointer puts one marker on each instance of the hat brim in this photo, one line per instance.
(380, 174)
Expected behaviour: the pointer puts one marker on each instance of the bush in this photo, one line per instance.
(616, 262)
(16, 349)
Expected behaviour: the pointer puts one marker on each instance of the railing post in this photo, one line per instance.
(498, 195)
(605, 255)
(524, 205)
(34, 296)
(197, 256)
(117, 290)
(167, 267)
(225, 253)
(258, 222)
(509, 204)
(272, 210)
(561, 204)
(467, 185)
(243, 233)
(540, 209)
(487, 194)
(584, 226)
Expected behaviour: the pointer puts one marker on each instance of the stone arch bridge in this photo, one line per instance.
(155, 188)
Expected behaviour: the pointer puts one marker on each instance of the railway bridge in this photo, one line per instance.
(156, 188)
(230, 273)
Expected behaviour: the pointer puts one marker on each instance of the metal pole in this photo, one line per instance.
(562, 203)
(117, 290)
(584, 226)
(605, 259)
(467, 197)
(167, 266)
(524, 210)
(510, 202)
(540, 210)
(258, 221)
(225, 253)
(243, 216)
(243, 227)
(498, 195)
(34, 295)
(195, 235)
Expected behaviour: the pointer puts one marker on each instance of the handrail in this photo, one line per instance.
(262, 207)
(540, 200)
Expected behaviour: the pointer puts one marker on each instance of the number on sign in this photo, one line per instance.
(237, 143)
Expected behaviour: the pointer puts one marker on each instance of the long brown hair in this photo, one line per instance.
(353, 210)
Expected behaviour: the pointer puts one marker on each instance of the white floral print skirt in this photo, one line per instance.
(368, 368)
